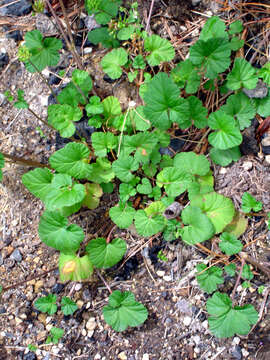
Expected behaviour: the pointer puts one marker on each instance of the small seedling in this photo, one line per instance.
(55, 335)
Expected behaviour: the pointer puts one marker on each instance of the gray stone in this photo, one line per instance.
(260, 90)
(20, 8)
(16, 255)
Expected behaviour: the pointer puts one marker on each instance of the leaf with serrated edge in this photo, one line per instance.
(112, 62)
(229, 244)
(160, 50)
(243, 75)
(124, 311)
(209, 278)
(148, 226)
(192, 163)
(38, 182)
(74, 268)
(225, 320)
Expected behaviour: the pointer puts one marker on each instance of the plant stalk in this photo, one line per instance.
(70, 45)
(23, 161)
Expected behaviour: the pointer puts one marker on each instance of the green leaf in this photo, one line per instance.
(105, 255)
(142, 143)
(213, 55)
(230, 269)
(263, 105)
(163, 105)
(20, 103)
(236, 27)
(103, 143)
(74, 268)
(44, 52)
(225, 157)
(61, 117)
(264, 73)
(243, 75)
(72, 160)
(138, 120)
(132, 76)
(126, 32)
(38, 182)
(155, 208)
(93, 194)
(229, 244)
(56, 334)
(112, 62)
(186, 74)
(111, 106)
(174, 180)
(122, 215)
(64, 193)
(2, 163)
(213, 28)
(124, 166)
(126, 191)
(226, 320)
(160, 50)
(68, 306)
(148, 225)
(54, 231)
(76, 92)
(197, 113)
(138, 62)
(101, 171)
(124, 311)
(236, 43)
(145, 187)
(228, 134)
(249, 203)
(94, 107)
(102, 35)
(240, 107)
(209, 278)
(46, 304)
(247, 274)
(219, 209)
(199, 228)
(192, 163)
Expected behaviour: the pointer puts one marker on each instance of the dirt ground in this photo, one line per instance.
(177, 327)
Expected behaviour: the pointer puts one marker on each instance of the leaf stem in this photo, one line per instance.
(104, 281)
(22, 161)
(70, 45)
(238, 279)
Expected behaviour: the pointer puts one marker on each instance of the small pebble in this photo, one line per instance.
(4, 59)
(145, 357)
(237, 353)
(187, 320)
(245, 353)
(78, 287)
(122, 356)
(167, 278)
(16, 255)
(160, 273)
(247, 165)
(91, 324)
(30, 356)
(222, 171)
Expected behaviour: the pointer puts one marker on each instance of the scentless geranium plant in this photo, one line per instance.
(124, 154)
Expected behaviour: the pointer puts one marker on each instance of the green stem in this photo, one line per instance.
(40, 119)
(19, 160)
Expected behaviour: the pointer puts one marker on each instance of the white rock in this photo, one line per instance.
(197, 339)
(55, 350)
(122, 356)
(90, 333)
(236, 340)
(160, 273)
(83, 332)
(91, 324)
(78, 287)
(87, 50)
(167, 278)
(245, 353)
(247, 165)
(195, 2)
(205, 324)
(222, 171)
(145, 357)
(97, 357)
(187, 320)
(45, 72)
(43, 100)
(267, 159)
